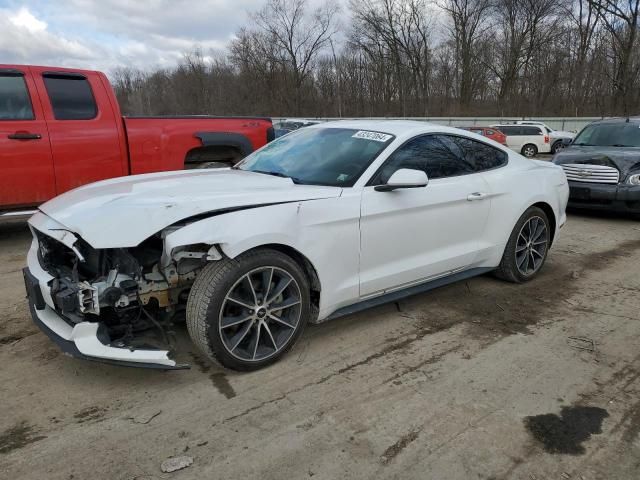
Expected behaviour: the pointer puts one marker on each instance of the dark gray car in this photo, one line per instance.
(602, 165)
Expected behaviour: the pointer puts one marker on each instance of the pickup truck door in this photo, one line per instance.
(26, 167)
(85, 127)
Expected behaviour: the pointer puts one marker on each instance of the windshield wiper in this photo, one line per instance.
(583, 144)
(295, 180)
(621, 145)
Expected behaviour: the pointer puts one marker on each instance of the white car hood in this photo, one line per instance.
(125, 211)
(561, 134)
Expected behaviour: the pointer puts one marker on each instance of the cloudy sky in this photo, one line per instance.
(103, 34)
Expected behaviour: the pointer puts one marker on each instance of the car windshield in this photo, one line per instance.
(609, 135)
(319, 156)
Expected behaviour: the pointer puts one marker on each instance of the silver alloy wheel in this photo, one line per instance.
(260, 314)
(529, 151)
(531, 246)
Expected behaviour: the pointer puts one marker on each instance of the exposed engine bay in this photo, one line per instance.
(125, 289)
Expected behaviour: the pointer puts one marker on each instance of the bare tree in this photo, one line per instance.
(470, 20)
(299, 36)
(525, 26)
(498, 57)
(621, 20)
(398, 32)
(584, 22)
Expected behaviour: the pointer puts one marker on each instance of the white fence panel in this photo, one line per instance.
(557, 123)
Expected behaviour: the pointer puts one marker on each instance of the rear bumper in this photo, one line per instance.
(86, 340)
(597, 196)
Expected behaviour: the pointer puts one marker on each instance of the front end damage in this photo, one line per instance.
(117, 305)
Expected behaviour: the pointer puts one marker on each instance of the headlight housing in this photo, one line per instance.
(634, 179)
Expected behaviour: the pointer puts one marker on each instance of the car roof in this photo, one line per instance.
(4, 66)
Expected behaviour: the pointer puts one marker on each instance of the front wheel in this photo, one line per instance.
(245, 313)
(527, 248)
(529, 150)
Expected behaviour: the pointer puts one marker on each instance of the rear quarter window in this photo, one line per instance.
(71, 97)
(478, 155)
(527, 130)
(510, 130)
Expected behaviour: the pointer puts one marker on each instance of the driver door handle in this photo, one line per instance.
(477, 196)
(24, 136)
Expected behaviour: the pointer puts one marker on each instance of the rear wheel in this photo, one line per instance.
(212, 157)
(527, 248)
(529, 150)
(246, 313)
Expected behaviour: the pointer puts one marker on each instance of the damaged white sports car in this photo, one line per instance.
(323, 222)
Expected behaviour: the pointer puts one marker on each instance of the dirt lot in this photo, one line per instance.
(481, 379)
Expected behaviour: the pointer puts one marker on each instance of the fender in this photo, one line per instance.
(325, 231)
(214, 139)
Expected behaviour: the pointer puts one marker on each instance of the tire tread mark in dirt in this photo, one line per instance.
(631, 419)
(18, 436)
(394, 450)
(389, 349)
(516, 308)
(90, 414)
(429, 361)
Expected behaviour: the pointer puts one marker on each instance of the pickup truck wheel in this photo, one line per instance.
(527, 248)
(246, 313)
(212, 157)
(529, 150)
(556, 146)
(211, 165)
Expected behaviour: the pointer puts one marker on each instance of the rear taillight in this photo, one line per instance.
(546, 139)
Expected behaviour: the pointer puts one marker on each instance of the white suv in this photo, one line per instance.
(529, 140)
(556, 135)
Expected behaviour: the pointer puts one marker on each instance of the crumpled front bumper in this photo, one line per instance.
(86, 340)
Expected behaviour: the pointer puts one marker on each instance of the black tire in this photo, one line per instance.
(529, 150)
(212, 157)
(509, 269)
(210, 165)
(208, 300)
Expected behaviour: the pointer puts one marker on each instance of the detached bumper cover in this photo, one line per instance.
(88, 340)
(620, 198)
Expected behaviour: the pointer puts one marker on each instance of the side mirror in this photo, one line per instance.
(404, 178)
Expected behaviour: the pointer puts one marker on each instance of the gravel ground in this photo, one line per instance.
(481, 379)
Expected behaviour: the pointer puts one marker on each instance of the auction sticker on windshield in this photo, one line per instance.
(378, 137)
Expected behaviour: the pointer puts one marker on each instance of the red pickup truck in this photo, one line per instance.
(62, 128)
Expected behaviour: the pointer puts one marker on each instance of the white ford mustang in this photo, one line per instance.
(323, 222)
